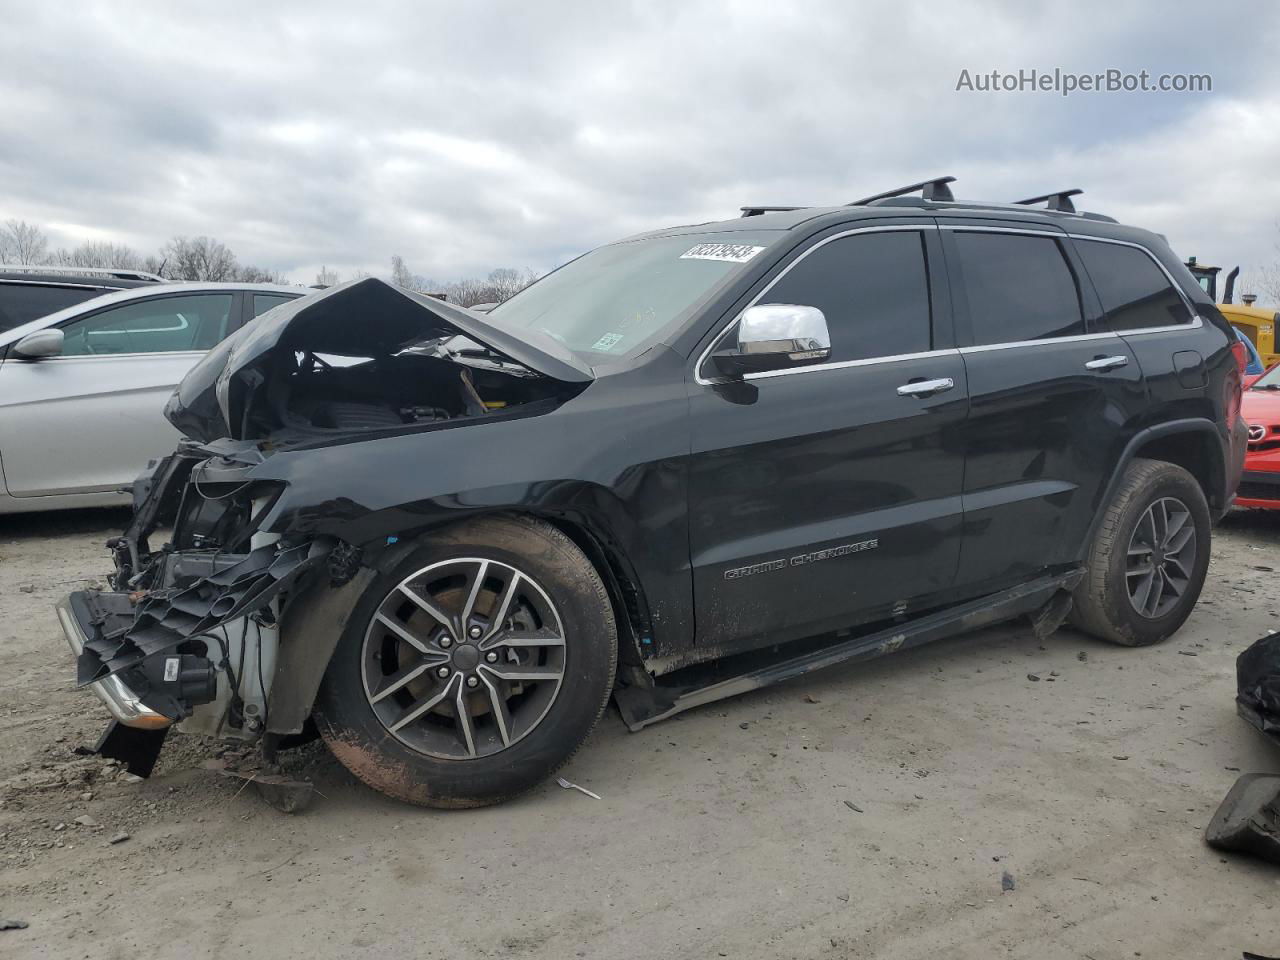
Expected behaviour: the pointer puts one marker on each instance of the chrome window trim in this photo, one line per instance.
(1195, 323)
(843, 364)
(101, 357)
(702, 357)
(978, 228)
(1191, 324)
(1010, 344)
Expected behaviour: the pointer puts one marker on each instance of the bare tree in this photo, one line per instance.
(501, 284)
(251, 274)
(23, 242)
(327, 277)
(99, 253)
(199, 258)
(506, 282)
(1268, 284)
(401, 276)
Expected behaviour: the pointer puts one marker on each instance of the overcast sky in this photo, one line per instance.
(466, 136)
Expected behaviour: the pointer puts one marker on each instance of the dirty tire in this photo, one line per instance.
(1102, 605)
(362, 743)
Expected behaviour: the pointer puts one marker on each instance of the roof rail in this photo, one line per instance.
(1060, 201)
(756, 211)
(117, 273)
(935, 189)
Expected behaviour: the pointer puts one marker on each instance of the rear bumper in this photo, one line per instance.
(120, 701)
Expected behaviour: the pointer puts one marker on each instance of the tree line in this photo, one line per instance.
(209, 259)
(181, 258)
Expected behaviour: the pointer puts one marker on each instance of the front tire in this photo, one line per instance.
(473, 670)
(1147, 564)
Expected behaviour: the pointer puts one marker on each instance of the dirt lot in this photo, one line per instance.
(727, 833)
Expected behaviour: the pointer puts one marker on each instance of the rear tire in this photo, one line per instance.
(1147, 563)
(475, 669)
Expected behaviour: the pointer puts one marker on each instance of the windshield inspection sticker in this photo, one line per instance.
(607, 342)
(730, 252)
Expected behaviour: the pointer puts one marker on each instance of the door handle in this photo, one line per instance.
(924, 388)
(1107, 363)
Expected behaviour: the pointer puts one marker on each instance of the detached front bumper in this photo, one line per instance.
(123, 704)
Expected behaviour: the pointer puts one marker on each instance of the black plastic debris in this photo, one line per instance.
(137, 749)
(1249, 818)
(166, 618)
(1258, 685)
(279, 791)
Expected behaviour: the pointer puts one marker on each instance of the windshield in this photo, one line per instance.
(1269, 380)
(619, 299)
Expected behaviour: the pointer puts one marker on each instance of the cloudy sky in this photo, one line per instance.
(465, 136)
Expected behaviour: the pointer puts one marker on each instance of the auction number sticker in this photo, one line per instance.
(730, 252)
(607, 342)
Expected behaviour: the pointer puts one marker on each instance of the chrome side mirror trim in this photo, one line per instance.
(798, 331)
(773, 336)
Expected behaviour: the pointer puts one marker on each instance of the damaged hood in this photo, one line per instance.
(361, 318)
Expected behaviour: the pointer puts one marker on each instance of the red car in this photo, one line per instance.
(1260, 484)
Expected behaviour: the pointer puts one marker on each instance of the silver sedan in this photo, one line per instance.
(82, 391)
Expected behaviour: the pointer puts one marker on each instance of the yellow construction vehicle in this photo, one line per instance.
(1258, 324)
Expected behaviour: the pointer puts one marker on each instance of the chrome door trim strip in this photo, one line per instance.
(845, 364)
(1010, 344)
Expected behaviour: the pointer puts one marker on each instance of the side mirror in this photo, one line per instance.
(41, 343)
(774, 336)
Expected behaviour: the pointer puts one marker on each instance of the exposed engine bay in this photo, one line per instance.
(363, 358)
(426, 384)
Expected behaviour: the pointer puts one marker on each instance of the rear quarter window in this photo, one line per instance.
(1135, 293)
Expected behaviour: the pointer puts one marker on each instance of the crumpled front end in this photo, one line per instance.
(263, 504)
(187, 634)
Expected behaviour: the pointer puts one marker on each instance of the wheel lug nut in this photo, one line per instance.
(491, 656)
(442, 672)
(475, 632)
(472, 682)
(446, 642)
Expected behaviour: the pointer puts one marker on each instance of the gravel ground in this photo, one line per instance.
(873, 810)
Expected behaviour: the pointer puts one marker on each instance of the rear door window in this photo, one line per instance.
(873, 288)
(21, 302)
(1019, 287)
(1135, 293)
(160, 325)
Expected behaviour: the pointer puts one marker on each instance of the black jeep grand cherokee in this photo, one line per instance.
(682, 466)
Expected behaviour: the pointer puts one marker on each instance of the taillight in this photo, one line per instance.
(1242, 356)
(1235, 382)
